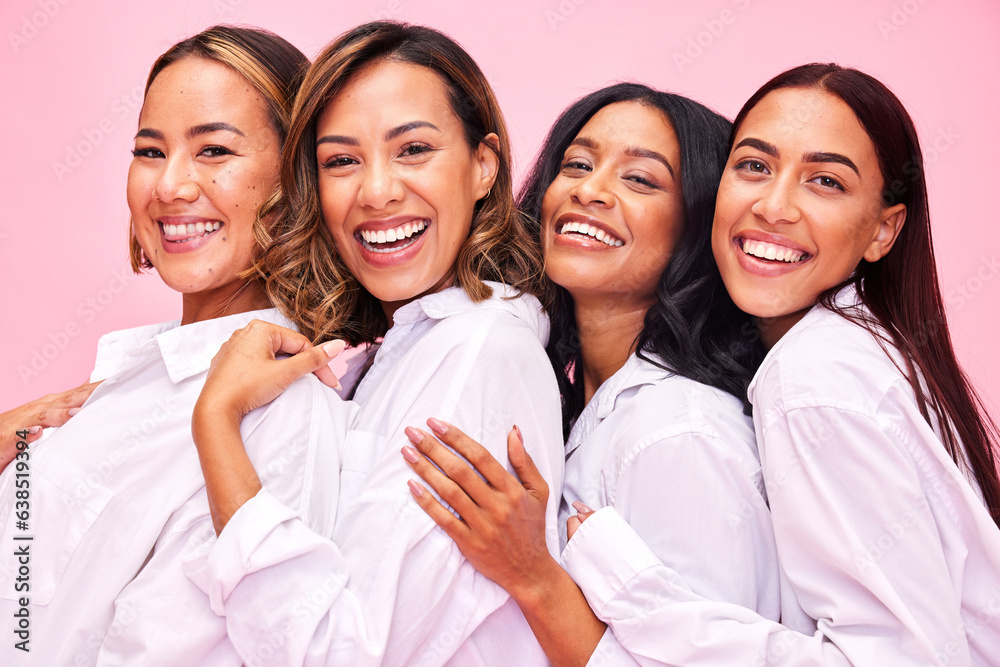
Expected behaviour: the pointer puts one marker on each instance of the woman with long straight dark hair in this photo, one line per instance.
(652, 361)
(879, 460)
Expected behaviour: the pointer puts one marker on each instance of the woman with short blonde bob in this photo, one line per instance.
(400, 224)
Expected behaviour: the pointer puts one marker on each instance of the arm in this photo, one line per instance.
(836, 482)
(389, 588)
(245, 375)
(501, 530)
(29, 419)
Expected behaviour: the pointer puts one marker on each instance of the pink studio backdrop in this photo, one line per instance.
(72, 74)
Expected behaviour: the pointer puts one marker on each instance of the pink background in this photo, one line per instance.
(72, 74)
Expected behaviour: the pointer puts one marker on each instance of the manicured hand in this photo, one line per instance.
(501, 524)
(245, 374)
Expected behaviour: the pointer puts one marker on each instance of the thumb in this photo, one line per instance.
(315, 360)
(525, 468)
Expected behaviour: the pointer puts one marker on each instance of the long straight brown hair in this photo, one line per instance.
(901, 290)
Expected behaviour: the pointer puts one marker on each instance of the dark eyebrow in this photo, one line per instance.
(760, 145)
(403, 129)
(213, 127)
(831, 157)
(337, 139)
(635, 151)
(149, 134)
(583, 141)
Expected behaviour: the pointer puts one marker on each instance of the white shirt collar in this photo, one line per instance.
(454, 300)
(635, 373)
(186, 350)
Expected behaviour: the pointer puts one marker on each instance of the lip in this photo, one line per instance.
(767, 268)
(396, 257)
(579, 241)
(182, 246)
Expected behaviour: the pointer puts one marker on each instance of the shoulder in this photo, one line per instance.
(825, 360)
(678, 413)
(497, 327)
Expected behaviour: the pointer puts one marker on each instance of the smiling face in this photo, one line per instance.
(613, 214)
(799, 205)
(206, 158)
(397, 180)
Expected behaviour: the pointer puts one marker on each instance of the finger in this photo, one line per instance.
(572, 525)
(455, 468)
(80, 395)
(455, 482)
(325, 374)
(54, 416)
(582, 510)
(313, 360)
(474, 453)
(34, 433)
(451, 525)
(524, 466)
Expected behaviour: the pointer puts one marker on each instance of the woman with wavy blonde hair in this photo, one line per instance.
(399, 223)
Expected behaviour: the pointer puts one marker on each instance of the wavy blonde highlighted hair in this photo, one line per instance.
(270, 64)
(305, 275)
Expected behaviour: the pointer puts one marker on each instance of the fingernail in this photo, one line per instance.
(581, 508)
(34, 429)
(519, 436)
(333, 347)
(339, 386)
(73, 412)
(437, 426)
(410, 454)
(415, 488)
(415, 436)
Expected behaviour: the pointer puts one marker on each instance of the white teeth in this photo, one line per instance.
(192, 228)
(405, 231)
(772, 252)
(591, 231)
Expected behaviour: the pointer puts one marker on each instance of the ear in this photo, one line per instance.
(890, 224)
(487, 156)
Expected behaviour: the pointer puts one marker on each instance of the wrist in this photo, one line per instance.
(535, 593)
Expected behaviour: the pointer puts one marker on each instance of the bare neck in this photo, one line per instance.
(608, 330)
(236, 297)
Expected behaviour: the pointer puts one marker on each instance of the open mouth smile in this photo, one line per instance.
(394, 239)
(583, 229)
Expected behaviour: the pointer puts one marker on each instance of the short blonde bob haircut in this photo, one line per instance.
(305, 276)
(270, 64)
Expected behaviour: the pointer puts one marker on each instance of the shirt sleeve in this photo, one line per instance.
(161, 617)
(856, 540)
(390, 587)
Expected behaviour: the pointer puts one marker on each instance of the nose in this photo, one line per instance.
(380, 186)
(178, 180)
(779, 201)
(593, 189)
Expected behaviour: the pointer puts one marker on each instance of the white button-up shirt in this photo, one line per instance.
(889, 556)
(105, 485)
(391, 587)
(677, 460)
